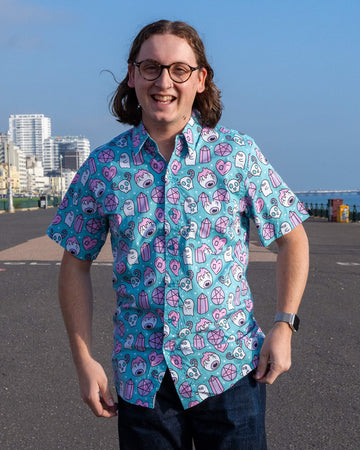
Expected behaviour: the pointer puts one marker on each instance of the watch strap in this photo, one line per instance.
(290, 318)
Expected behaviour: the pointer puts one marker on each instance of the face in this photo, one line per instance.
(166, 105)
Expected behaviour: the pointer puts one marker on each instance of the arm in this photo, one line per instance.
(291, 275)
(75, 295)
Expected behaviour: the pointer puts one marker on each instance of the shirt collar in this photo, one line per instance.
(139, 136)
(190, 134)
(192, 131)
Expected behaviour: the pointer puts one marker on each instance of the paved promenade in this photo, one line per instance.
(314, 406)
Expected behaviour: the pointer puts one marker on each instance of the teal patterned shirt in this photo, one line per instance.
(180, 241)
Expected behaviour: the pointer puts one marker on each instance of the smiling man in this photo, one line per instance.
(177, 193)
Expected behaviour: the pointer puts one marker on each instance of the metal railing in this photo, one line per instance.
(314, 209)
(28, 203)
(322, 210)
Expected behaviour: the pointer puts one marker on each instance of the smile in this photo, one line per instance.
(163, 98)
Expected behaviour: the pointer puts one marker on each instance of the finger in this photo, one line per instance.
(94, 403)
(107, 400)
(263, 367)
(109, 410)
(270, 376)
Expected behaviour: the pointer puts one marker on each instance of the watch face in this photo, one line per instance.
(296, 322)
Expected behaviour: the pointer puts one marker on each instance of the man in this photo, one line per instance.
(176, 192)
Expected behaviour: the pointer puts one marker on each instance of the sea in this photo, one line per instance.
(349, 197)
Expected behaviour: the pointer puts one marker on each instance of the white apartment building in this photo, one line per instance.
(28, 131)
(11, 153)
(36, 181)
(74, 150)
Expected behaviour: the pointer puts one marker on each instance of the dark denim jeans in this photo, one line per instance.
(234, 419)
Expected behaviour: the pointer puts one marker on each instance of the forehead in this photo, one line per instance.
(167, 48)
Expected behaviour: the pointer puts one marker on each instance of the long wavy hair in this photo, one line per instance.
(124, 104)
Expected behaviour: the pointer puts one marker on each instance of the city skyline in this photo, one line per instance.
(287, 71)
(34, 160)
(31, 133)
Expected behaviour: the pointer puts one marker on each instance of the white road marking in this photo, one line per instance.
(348, 263)
(18, 263)
(39, 264)
(35, 263)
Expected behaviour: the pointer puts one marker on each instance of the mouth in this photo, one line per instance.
(163, 99)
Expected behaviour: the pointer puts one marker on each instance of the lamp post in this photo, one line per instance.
(11, 208)
(61, 177)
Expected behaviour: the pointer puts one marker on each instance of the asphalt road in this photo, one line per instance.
(316, 405)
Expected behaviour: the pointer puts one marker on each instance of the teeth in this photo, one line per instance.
(163, 98)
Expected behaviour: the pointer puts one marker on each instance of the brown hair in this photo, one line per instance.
(124, 104)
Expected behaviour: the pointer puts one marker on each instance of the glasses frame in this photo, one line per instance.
(164, 66)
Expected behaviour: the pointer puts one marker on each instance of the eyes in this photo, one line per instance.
(151, 70)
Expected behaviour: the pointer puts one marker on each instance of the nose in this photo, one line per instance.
(164, 80)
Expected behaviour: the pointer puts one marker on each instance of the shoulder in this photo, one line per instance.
(119, 143)
(226, 141)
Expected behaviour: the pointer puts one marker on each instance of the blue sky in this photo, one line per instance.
(288, 70)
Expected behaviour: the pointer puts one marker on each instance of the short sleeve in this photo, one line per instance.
(80, 225)
(271, 204)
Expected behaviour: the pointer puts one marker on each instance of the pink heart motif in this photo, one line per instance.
(189, 136)
(223, 167)
(118, 347)
(109, 172)
(175, 167)
(174, 316)
(136, 140)
(76, 179)
(160, 214)
(218, 244)
(175, 267)
(176, 361)
(219, 314)
(120, 267)
(216, 265)
(155, 358)
(175, 215)
(57, 220)
(221, 347)
(89, 243)
(157, 166)
(249, 305)
(160, 264)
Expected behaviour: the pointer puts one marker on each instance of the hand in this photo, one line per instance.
(275, 354)
(94, 389)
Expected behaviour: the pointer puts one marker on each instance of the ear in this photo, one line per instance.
(201, 79)
(131, 73)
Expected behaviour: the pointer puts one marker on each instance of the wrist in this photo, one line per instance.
(283, 327)
(289, 319)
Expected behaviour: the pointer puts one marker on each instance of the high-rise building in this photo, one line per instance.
(72, 149)
(11, 154)
(28, 131)
(36, 181)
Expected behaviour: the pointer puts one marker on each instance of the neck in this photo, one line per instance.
(165, 140)
(165, 146)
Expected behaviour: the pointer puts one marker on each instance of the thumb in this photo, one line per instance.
(106, 394)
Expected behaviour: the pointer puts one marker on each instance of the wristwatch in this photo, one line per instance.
(292, 319)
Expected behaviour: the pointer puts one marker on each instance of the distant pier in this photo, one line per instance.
(342, 191)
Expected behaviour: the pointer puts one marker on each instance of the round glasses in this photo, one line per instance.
(151, 70)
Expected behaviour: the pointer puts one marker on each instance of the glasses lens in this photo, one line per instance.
(149, 69)
(180, 72)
